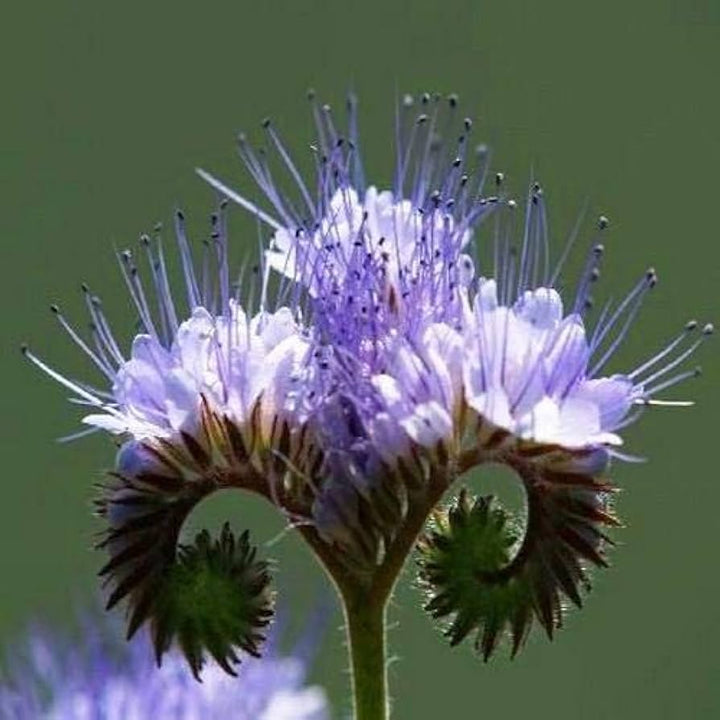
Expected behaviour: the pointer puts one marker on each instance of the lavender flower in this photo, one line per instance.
(95, 679)
(201, 404)
(437, 351)
(404, 336)
(217, 357)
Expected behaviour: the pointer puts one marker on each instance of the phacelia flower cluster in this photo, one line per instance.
(402, 336)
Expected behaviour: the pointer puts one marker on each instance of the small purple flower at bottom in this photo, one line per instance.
(97, 678)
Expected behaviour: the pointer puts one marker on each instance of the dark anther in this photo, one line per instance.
(266, 123)
(603, 222)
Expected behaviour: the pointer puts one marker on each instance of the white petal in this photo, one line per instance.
(494, 406)
(541, 307)
(613, 396)
(110, 423)
(429, 423)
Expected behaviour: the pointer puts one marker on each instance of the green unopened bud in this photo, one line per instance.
(484, 574)
(461, 557)
(214, 598)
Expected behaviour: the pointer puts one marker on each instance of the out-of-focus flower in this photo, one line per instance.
(93, 677)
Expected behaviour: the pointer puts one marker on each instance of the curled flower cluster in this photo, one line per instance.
(403, 336)
(95, 679)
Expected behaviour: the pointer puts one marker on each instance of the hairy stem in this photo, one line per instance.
(365, 597)
(365, 627)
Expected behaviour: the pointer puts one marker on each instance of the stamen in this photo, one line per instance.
(357, 165)
(238, 199)
(633, 301)
(127, 268)
(166, 306)
(706, 333)
(589, 275)
(290, 165)
(66, 382)
(79, 434)
(191, 284)
(674, 380)
(690, 327)
(97, 361)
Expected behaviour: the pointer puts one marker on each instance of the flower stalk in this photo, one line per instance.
(365, 598)
(365, 624)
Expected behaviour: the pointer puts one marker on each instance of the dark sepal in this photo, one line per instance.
(484, 575)
(144, 513)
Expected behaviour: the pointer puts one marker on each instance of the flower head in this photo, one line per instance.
(96, 679)
(438, 349)
(201, 403)
(405, 335)
(203, 354)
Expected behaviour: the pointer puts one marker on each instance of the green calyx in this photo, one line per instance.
(484, 574)
(214, 598)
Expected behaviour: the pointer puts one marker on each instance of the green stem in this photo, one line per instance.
(365, 601)
(365, 619)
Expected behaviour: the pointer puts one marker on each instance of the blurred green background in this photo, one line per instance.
(106, 109)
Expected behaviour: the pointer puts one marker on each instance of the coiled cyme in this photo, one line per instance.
(401, 337)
